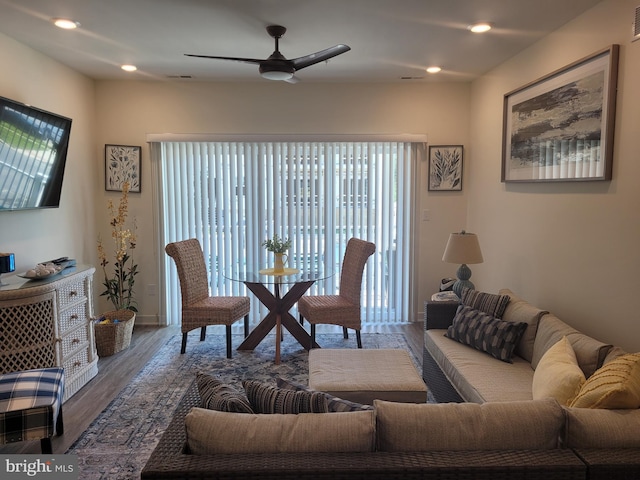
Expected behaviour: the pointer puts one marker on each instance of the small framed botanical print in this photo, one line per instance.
(445, 167)
(122, 164)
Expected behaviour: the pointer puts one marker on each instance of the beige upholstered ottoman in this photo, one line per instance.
(364, 375)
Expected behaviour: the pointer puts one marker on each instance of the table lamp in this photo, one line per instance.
(7, 264)
(462, 248)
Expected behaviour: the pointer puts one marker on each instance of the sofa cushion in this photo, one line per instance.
(601, 428)
(404, 427)
(485, 333)
(212, 432)
(521, 311)
(216, 395)
(489, 303)
(616, 385)
(589, 352)
(558, 374)
(479, 377)
(265, 398)
(334, 404)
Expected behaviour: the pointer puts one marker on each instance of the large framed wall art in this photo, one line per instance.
(122, 164)
(560, 127)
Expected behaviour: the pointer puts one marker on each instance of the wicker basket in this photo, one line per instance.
(114, 337)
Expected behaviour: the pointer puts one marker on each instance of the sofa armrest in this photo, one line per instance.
(439, 315)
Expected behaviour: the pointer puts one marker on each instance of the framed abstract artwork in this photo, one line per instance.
(560, 127)
(122, 164)
(445, 167)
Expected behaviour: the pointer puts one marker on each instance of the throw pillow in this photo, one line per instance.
(558, 374)
(485, 333)
(216, 395)
(616, 385)
(265, 398)
(334, 404)
(489, 303)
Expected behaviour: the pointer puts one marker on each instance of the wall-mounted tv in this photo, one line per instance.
(33, 153)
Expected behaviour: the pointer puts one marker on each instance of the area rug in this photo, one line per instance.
(119, 442)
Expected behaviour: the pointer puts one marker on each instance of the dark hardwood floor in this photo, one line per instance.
(116, 371)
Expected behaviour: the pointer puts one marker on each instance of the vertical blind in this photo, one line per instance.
(232, 196)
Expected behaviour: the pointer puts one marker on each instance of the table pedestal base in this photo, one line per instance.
(278, 316)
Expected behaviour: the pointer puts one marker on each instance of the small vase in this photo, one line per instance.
(281, 259)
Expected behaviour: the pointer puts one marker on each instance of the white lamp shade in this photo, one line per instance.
(462, 248)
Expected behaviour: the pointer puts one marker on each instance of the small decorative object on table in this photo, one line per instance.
(119, 287)
(7, 264)
(278, 246)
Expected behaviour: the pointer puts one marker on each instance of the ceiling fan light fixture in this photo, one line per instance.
(65, 23)
(129, 68)
(276, 75)
(434, 69)
(481, 27)
(276, 72)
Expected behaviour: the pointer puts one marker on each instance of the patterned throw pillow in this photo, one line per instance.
(486, 333)
(489, 303)
(334, 404)
(216, 395)
(616, 385)
(265, 398)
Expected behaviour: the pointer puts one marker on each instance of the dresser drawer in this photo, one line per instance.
(71, 292)
(72, 340)
(76, 363)
(72, 317)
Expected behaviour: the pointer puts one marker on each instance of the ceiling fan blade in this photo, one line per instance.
(321, 56)
(233, 59)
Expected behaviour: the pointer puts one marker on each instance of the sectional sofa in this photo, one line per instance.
(503, 438)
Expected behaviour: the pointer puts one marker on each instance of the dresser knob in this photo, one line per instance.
(77, 364)
(73, 293)
(75, 340)
(74, 317)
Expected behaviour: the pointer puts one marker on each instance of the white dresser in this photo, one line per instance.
(46, 323)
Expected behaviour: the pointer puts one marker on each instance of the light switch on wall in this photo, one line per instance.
(426, 215)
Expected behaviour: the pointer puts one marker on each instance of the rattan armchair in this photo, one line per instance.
(342, 309)
(199, 309)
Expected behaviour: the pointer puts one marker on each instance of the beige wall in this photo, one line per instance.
(130, 110)
(571, 248)
(567, 247)
(38, 235)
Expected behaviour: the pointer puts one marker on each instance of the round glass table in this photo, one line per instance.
(298, 280)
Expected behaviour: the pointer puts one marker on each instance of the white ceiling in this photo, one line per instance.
(389, 39)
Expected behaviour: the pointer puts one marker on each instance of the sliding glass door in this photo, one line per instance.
(234, 195)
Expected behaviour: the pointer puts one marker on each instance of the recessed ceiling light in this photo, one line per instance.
(129, 68)
(480, 27)
(434, 69)
(65, 23)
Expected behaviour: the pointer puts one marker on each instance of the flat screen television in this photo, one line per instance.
(33, 154)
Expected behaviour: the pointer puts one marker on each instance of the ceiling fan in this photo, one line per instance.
(277, 67)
